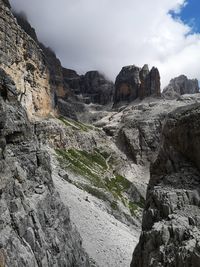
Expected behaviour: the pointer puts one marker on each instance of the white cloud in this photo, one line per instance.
(108, 34)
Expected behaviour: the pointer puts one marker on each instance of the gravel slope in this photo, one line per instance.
(109, 242)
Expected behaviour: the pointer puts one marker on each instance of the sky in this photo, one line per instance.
(106, 35)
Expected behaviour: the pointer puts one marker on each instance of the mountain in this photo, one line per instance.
(179, 86)
(78, 154)
(133, 82)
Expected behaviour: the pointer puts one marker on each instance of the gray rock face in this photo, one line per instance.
(171, 228)
(97, 88)
(22, 58)
(35, 228)
(179, 86)
(56, 79)
(6, 2)
(93, 87)
(65, 83)
(133, 82)
(127, 84)
(139, 135)
(23, 22)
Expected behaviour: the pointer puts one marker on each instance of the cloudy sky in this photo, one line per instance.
(108, 34)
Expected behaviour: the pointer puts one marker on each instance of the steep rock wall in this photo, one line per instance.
(35, 227)
(22, 58)
(179, 86)
(171, 229)
(133, 82)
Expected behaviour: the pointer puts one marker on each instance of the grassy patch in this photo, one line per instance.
(133, 207)
(95, 192)
(118, 184)
(89, 165)
(102, 152)
(95, 158)
(76, 125)
(114, 205)
(93, 167)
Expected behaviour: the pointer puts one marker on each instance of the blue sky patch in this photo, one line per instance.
(190, 15)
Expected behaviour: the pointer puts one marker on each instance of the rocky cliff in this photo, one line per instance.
(92, 87)
(101, 171)
(35, 227)
(179, 86)
(22, 58)
(170, 228)
(58, 86)
(133, 82)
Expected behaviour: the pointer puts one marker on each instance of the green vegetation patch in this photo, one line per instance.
(98, 193)
(76, 125)
(93, 167)
(89, 165)
(133, 207)
(118, 184)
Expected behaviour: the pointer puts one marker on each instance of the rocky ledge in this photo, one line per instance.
(171, 222)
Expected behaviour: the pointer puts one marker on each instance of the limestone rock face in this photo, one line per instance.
(23, 22)
(171, 229)
(71, 81)
(92, 87)
(22, 58)
(179, 86)
(95, 86)
(53, 64)
(153, 84)
(6, 2)
(56, 73)
(144, 73)
(64, 83)
(35, 227)
(127, 84)
(133, 82)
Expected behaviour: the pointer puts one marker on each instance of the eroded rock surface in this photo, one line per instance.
(170, 229)
(179, 86)
(35, 227)
(66, 84)
(133, 82)
(92, 87)
(23, 60)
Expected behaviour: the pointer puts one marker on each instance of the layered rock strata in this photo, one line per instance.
(170, 229)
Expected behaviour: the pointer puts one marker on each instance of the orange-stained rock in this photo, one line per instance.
(133, 82)
(24, 61)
